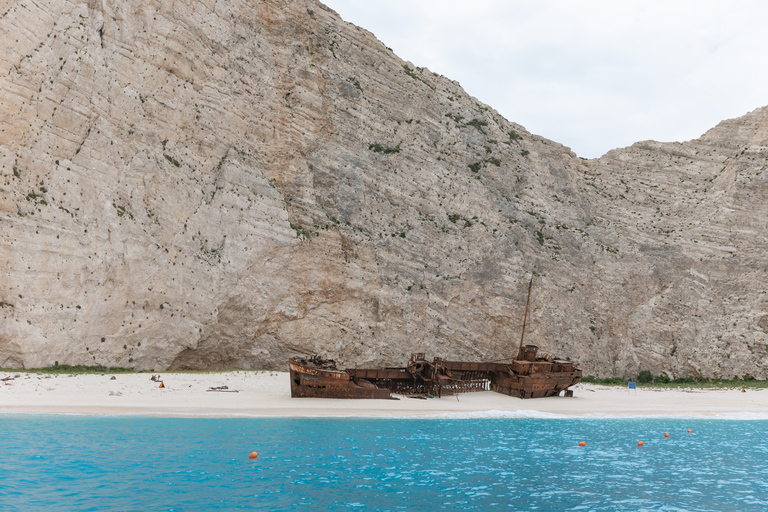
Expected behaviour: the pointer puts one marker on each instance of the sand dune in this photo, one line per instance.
(267, 394)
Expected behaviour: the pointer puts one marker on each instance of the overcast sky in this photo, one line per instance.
(593, 75)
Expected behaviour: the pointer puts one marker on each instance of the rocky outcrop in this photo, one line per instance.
(691, 217)
(225, 185)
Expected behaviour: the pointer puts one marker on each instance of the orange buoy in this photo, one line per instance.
(689, 431)
(666, 434)
(162, 385)
(583, 443)
(253, 455)
(639, 443)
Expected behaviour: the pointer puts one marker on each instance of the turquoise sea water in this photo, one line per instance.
(52, 462)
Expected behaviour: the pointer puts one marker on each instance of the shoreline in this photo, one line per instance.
(265, 394)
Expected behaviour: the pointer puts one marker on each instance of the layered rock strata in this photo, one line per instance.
(227, 184)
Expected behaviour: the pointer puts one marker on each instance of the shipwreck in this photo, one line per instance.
(528, 375)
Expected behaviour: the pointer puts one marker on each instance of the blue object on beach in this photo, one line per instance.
(632, 385)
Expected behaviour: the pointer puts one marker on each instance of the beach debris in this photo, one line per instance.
(115, 393)
(640, 443)
(113, 378)
(7, 380)
(583, 443)
(155, 378)
(253, 455)
(223, 389)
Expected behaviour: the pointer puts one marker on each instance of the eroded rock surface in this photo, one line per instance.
(227, 184)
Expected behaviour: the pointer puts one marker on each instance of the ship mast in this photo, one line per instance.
(525, 318)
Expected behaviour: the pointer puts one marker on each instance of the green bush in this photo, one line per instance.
(644, 377)
(81, 368)
(607, 381)
(477, 123)
(689, 381)
(172, 160)
(378, 148)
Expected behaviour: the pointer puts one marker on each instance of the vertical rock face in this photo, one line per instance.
(691, 217)
(225, 184)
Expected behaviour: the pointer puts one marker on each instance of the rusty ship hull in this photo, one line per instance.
(527, 378)
(537, 378)
(319, 378)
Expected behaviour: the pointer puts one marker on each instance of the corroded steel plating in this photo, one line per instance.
(316, 377)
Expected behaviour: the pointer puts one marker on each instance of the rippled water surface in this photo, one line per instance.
(130, 463)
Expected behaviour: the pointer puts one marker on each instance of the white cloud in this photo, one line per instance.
(593, 75)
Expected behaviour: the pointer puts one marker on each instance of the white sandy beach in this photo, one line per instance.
(267, 394)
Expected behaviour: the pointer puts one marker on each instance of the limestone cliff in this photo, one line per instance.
(226, 184)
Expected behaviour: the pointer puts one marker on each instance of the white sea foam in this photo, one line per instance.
(470, 415)
(743, 416)
(520, 413)
(490, 414)
(722, 416)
